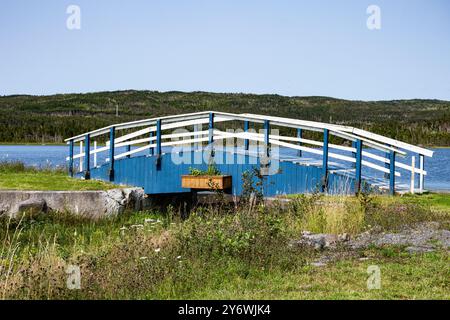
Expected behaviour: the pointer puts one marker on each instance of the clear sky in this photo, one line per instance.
(295, 48)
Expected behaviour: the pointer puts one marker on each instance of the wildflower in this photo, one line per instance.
(179, 257)
(143, 258)
(157, 250)
(137, 226)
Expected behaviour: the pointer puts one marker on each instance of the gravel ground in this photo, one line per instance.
(418, 238)
(421, 237)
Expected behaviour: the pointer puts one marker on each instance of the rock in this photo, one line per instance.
(318, 241)
(344, 237)
(134, 198)
(94, 204)
(318, 264)
(32, 206)
(113, 202)
(3, 209)
(421, 249)
(363, 259)
(117, 200)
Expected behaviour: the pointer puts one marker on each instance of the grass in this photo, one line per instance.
(16, 176)
(437, 201)
(413, 277)
(218, 252)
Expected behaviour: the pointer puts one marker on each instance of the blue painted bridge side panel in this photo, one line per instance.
(291, 178)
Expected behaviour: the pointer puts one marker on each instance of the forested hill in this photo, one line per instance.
(50, 119)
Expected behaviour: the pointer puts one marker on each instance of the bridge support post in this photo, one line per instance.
(358, 166)
(246, 127)
(112, 134)
(87, 156)
(300, 136)
(71, 158)
(158, 144)
(211, 133)
(324, 182)
(392, 173)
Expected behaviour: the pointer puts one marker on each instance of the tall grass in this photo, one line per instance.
(159, 255)
(20, 167)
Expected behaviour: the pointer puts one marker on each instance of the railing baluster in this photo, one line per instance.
(392, 173)
(158, 143)
(265, 159)
(358, 166)
(300, 136)
(128, 149)
(95, 154)
(421, 176)
(387, 165)
(354, 145)
(246, 127)
(324, 184)
(211, 133)
(112, 134)
(87, 156)
(413, 174)
(151, 150)
(71, 158)
(267, 138)
(211, 128)
(81, 158)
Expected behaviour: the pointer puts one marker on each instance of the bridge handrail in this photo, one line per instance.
(358, 133)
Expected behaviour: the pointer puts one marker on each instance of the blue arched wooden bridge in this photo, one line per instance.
(155, 154)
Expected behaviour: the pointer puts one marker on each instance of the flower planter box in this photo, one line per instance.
(206, 182)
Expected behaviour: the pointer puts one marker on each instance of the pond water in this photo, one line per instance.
(438, 167)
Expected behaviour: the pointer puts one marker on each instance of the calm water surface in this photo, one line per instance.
(438, 167)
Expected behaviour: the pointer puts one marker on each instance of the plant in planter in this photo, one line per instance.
(209, 179)
(211, 171)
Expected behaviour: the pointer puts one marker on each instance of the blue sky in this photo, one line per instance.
(295, 48)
